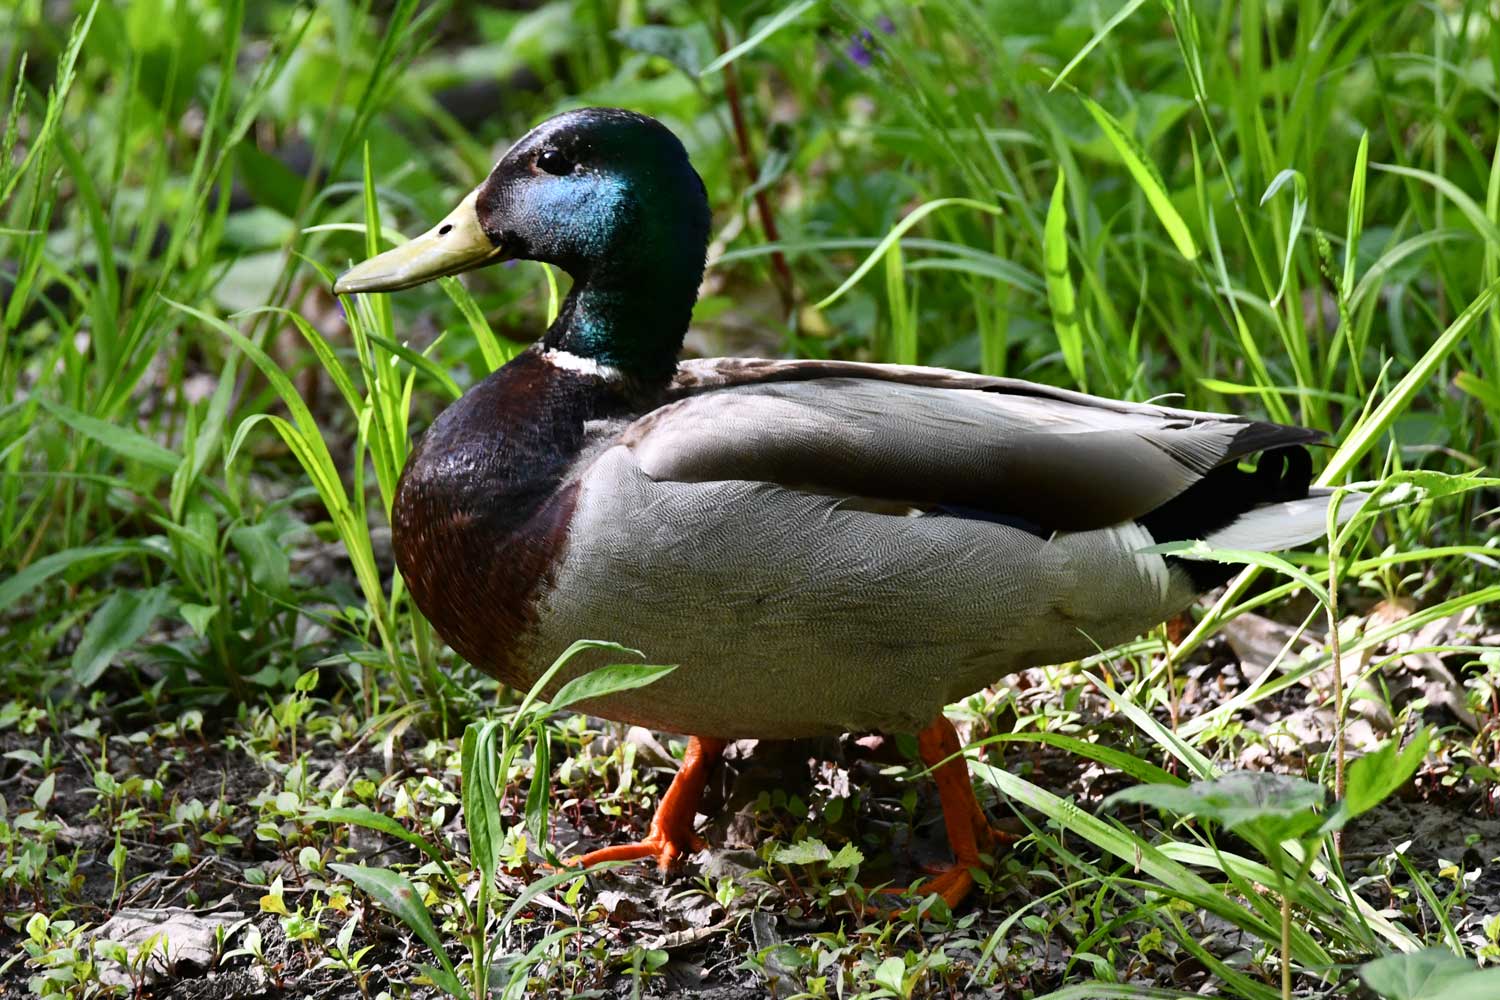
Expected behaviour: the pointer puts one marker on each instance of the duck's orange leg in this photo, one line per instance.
(671, 834)
(969, 831)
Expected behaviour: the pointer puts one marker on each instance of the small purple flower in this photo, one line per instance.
(863, 46)
(858, 52)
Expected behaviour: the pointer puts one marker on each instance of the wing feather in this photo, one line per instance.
(925, 436)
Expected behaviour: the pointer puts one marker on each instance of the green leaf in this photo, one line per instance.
(1060, 296)
(1146, 177)
(848, 856)
(1178, 880)
(1414, 486)
(397, 895)
(1371, 428)
(495, 351)
(264, 556)
(1268, 807)
(540, 684)
(683, 47)
(1299, 215)
(431, 369)
(305, 440)
(899, 230)
(541, 885)
(607, 680)
(327, 356)
(121, 620)
(1126, 9)
(803, 852)
(1484, 390)
(449, 982)
(270, 182)
(767, 28)
(520, 978)
(538, 795)
(1472, 212)
(43, 794)
(1429, 974)
(122, 441)
(39, 141)
(198, 616)
(892, 975)
(478, 758)
(270, 676)
(45, 568)
(1128, 764)
(380, 823)
(1201, 550)
(1163, 737)
(1373, 777)
(1356, 215)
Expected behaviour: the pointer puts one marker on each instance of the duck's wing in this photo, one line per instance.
(931, 437)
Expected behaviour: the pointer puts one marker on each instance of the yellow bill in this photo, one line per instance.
(458, 243)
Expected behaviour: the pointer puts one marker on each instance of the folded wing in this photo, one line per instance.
(929, 437)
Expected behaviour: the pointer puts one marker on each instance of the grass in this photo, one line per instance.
(1288, 210)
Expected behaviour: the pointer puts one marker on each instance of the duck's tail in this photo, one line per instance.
(1271, 508)
(1271, 527)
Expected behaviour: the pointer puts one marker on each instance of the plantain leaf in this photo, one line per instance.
(395, 893)
(1429, 974)
(481, 796)
(121, 620)
(608, 680)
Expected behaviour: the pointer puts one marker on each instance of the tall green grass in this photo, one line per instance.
(1288, 210)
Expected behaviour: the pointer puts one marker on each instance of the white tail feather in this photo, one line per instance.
(1275, 526)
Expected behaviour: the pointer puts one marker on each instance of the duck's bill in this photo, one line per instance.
(456, 244)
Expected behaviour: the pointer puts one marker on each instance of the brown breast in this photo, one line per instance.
(482, 509)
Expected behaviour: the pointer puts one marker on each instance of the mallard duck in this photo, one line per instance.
(820, 546)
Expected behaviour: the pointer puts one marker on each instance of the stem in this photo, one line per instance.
(779, 269)
(476, 945)
(1304, 865)
(1339, 702)
(1286, 946)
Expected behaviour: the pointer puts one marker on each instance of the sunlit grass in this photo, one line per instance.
(1291, 212)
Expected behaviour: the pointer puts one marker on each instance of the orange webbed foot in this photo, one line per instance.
(661, 846)
(969, 830)
(952, 883)
(671, 835)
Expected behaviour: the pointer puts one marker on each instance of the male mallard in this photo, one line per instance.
(820, 546)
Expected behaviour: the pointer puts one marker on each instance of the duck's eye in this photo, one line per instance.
(554, 162)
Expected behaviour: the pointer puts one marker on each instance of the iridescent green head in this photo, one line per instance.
(605, 194)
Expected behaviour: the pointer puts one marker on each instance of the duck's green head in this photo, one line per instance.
(607, 195)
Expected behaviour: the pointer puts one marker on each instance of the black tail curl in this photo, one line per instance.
(1220, 498)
